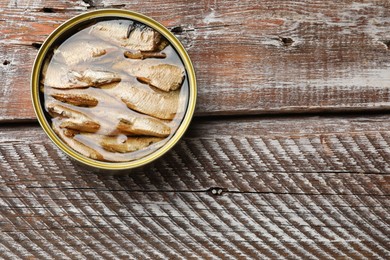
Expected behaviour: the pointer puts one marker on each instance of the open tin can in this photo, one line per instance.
(113, 89)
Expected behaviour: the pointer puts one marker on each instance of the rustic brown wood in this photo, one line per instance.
(241, 187)
(234, 187)
(250, 57)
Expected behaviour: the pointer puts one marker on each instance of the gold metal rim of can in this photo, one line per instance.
(115, 13)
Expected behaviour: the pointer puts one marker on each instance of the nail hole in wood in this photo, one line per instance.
(48, 10)
(177, 29)
(36, 45)
(6, 62)
(216, 191)
(287, 41)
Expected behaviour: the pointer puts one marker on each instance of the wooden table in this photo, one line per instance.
(288, 155)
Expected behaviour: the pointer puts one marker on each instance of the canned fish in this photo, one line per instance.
(113, 89)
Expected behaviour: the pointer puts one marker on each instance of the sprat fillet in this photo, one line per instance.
(143, 99)
(122, 145)
(76, 52)
(76, 97)
(163, 76)
(75, 145)
(73, 119)
(58, 76)
(129, 35)
(131, 144)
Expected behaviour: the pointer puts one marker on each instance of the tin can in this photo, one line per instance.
(72, 25)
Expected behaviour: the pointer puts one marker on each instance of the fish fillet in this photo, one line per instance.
(163, 76)
(95, 77)
(140, 55)
(109, 151)
(130, 145)
(72, 119)
(74, 144)
(122, 144)
(76, 97)
(143, 126)
(143, 99)
(128, 34)
(76, 52)
(58, 76)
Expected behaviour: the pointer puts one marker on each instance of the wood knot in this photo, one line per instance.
(89, 2)
(216, 191)
(47, 10)
(177, 29)
(286, 41)
(6, 62)
(387, 44)
(36, 45)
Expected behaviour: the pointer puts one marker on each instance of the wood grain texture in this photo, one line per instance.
(251, 57)
(236, 188)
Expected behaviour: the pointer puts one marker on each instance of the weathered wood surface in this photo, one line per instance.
(250, 56)
(315, 187)
(236, 187)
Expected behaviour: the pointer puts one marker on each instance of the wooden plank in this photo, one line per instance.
(239, 188)
(268, 57)
(188, 224)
